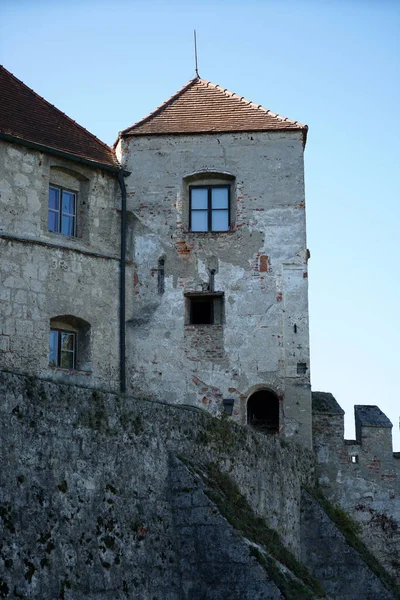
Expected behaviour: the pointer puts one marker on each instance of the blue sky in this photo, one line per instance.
(333, 65)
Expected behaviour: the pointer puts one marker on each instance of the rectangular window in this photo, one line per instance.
(62, 349)
(301, 368)
(204, 308)
(209, 208)
(62, 211)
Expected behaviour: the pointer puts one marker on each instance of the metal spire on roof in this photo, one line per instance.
(195, 55)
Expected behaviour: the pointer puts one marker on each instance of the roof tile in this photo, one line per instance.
(203, 107)
(27, 116)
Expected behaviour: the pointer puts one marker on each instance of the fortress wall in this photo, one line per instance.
(362, 475)
(85, 487)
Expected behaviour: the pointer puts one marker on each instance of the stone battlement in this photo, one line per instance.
(373, 444)
(361, 475)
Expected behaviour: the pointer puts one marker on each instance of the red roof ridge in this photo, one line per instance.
(250, 103)
(159, 108)
(86, 131)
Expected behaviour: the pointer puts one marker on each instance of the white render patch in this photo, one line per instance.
(250, 347)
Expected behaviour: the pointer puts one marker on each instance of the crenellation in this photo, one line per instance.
(362, 475)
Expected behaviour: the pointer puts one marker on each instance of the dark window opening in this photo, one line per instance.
(301, 368)
(204, 308)
(209, 208)
(201, 311)
(161, 276)
(263, 411)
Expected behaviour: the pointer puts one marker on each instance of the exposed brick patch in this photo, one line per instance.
(204, 342)
(264, 263)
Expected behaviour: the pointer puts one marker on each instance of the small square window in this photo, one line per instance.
(204, 309)
(301, 368)
(62, 211)
(209, 208)
(354, 458)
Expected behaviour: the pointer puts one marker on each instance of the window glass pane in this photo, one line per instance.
(199, 220)
(53, 220)
(53, 358)
(67, 225)
(68, 203)
(54, 198)
(219, 220)
(67, 360)
(219, 197)
(67, 341)
(199, 198)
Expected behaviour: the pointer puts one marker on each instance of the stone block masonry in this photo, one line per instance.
(42, 283)
(361, 475)
(338, 566)
(85, 488)
(47, 276)
(94, 502)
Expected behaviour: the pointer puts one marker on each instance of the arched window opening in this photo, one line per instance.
(69, 346)
(263, 411)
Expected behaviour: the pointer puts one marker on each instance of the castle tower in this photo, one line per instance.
(218, 314)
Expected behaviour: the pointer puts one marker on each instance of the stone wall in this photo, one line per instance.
(46, 275)
(330, 558)
(260, 267)
(86, 484)
(362, 475)
(96, 502)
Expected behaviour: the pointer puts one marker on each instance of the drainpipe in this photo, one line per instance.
(122, 286)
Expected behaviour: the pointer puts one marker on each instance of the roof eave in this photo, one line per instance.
(55, 152)
(302, 128)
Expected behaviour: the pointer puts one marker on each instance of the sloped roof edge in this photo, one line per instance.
(97, 151)
(55, 152)
(154, 113)
(279, 122)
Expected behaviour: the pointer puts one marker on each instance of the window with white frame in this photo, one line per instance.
(70, 343)
(209, 207)
(62, 211)
(62, 349)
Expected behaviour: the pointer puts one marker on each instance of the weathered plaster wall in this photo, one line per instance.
(368, 489)
(260, 265)
(87, 491)
(45, 274)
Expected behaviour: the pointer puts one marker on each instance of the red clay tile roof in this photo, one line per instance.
(203, 107)
(28, 117)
